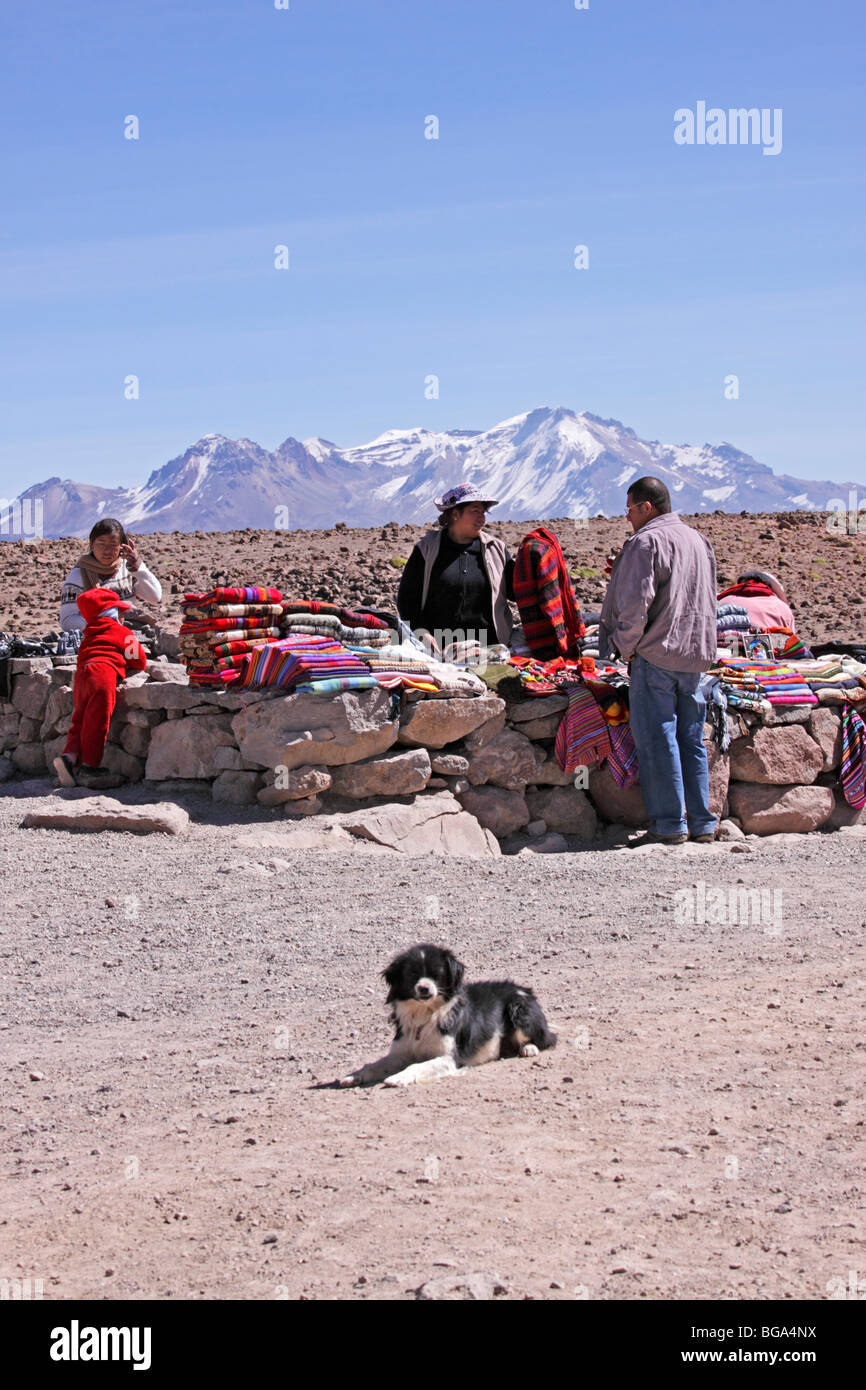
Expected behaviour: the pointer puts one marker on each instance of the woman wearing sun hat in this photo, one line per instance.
(459, 578)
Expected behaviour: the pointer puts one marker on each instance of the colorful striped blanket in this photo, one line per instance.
(852, 773)
(247, 593)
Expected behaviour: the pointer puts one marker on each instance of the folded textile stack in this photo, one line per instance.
(314, 617)
(767, 680)
(226, 624)
(302, 663)
(401, 663)
(731, 617)
(396, 669)
(835, 679)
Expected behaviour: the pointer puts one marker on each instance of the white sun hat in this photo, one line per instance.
(460, 495)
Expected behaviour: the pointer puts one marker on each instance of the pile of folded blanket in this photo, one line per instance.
(312, 617)
(754, 682)
(224, 624)
(304, 662)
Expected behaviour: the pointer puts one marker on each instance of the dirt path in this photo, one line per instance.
(697, 1133)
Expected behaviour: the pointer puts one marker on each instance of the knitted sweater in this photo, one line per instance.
(142, 585)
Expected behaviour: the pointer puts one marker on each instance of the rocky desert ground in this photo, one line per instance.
(174, 1009)
(822, 569)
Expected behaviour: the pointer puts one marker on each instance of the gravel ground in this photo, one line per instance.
(170, 1007)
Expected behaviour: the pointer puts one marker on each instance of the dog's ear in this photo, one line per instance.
(390, 975)
(455, 971)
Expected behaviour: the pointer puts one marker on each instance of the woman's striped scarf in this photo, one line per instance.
(852, 773)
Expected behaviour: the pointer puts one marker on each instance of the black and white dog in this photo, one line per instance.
(441, 1027)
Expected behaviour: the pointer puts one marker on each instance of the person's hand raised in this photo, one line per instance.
(130, 555)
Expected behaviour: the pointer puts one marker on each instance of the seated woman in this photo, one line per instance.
(112, 562)
(459, 578)
(763, 598)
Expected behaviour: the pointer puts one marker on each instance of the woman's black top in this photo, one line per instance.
(459, 596)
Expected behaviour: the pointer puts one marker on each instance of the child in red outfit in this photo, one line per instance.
(108, 652)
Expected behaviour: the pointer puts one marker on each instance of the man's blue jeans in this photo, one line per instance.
(666, 713)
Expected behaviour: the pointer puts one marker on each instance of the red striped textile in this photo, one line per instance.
(551, 618)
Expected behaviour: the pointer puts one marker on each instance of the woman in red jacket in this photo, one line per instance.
(108, 653)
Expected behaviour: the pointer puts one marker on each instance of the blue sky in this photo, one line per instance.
(409, 256)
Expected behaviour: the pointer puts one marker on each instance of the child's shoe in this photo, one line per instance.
(64, 766)
(97, 778)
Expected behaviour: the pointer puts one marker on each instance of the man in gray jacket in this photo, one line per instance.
(659, 614)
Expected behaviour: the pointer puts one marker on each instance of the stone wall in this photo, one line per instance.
(485, 761)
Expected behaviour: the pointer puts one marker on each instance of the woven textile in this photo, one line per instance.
(551, 619)
(199, 613)
(331, 684)
(293, 660)
(347, 616)
(852, 773)
(222, 624)
(248, 593)
(623, 760)
(583, 736)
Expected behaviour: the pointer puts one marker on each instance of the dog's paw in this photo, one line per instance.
(529, 1050)
(401, 1079)
(349, 1080)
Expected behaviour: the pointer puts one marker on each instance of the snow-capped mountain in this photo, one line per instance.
(548, 462)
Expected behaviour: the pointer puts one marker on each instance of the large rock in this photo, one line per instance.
(294, 785)
(449, 764)
(7, 769)
(545, 728)
(535, 707)
(134, 739)
(301, 729)
(9, 725)
(116, 759)
(564, 809)
(496, 809)
(548, 773)
(237, 788)
(507, 761)
(396, 774)
(825, 726)
(29, 757)
(104, 813)
(169, 671)
(613, 803)
(162, 695)
(185, 747)
(30, 693)
(432, 824)
(433, 723)
(843, 814)
(27, 665)
(773, 810)
(780, 756)
(59, 703)
(485, 732)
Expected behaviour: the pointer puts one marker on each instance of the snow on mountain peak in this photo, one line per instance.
(546, 462)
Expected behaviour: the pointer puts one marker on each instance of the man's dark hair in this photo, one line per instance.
(651, 490)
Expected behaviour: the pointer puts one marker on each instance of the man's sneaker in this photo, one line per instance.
(65, 769)
(707, 839)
